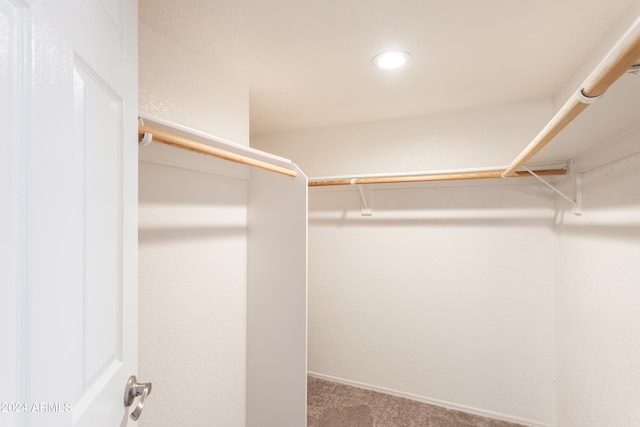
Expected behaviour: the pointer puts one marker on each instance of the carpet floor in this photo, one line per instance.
(331, 404)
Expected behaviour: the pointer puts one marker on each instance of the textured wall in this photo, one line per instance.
(175, 86)
(480, 137)
(192, 296)
(598, 295)
(445, 294)
(192, 246)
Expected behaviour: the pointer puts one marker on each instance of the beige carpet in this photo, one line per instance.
(351, 416)
(331, 404)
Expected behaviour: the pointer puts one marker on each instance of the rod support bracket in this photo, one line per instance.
(576, 204)
(577, 181)
(146, 139)
(365, 208)
(586, 99)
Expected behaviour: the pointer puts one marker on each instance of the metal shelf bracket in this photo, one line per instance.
(365, 207)
(576, 203)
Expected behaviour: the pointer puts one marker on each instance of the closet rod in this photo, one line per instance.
(321, 182)
(198, 147)
(620, 58)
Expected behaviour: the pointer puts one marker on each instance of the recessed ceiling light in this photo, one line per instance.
(391, 59)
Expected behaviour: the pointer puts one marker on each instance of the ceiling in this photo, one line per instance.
(307, 63)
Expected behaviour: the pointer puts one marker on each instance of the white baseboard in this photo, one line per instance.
(436, 402)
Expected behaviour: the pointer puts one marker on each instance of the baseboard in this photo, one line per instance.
(436, 402)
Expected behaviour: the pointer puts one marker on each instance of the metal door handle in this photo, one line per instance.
(133, 390)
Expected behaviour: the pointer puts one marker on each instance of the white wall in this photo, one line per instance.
(596, 272)
(192, 248)
(598, 295)
(192, 296)
(175, 86)
(445, 294)
(489, 136)
(222, 291)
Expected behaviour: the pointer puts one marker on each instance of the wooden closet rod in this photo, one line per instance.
(620, 58)
(427, 178)
(198, 147)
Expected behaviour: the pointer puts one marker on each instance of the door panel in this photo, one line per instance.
(99, 143)
(73, 178)
(98, 118)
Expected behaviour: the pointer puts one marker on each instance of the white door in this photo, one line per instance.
(68, 185)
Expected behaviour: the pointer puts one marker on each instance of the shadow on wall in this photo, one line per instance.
(500, 205)
(167, 234)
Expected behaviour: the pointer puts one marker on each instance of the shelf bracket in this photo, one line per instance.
(365, 208)
(577, 208)
(576, 204)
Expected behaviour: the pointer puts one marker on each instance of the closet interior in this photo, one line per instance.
(427, 284)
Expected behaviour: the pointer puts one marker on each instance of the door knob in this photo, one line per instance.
(133, 390)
